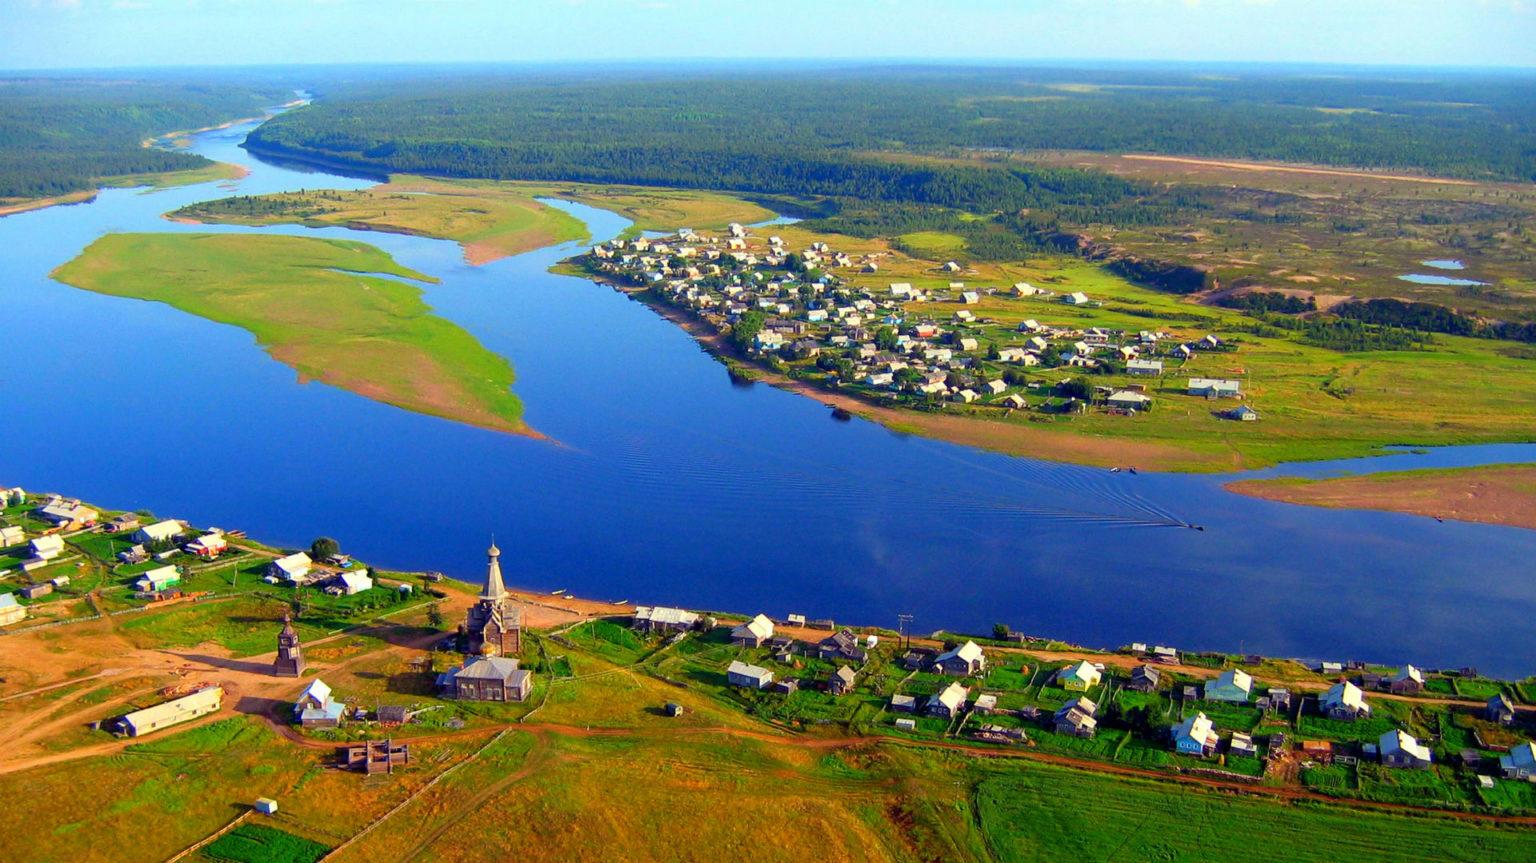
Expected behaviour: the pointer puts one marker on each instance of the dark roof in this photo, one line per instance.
(490, 668)
(392, 713)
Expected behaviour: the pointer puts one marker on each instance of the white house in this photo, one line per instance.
(200, 703)
(352, 583)
(754, 632)
(1344, 701)
(750, 676)
(1195, 736)
(159, 578)
(1076, 298)
(160, 531)
(11, 535)
(48, 547)
(1024, 289)
(1129, 400)
(294, 567)
(1234, 684)
(1213, 388)
(11, 611)
(1400, 749)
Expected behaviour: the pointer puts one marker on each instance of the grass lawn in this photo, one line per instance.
(1044, 813)
(314, 305)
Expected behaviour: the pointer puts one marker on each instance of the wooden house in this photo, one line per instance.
(1145, 679)
(492, 678)
(841, 681)
(1500, 710)
(658, 618)
(1078, 678)
(1195, 736)
(963, 661)
(1077, 718)
(748, 676)
(1345, 702)
(1234, 685)
(843, 645)
(1407, 681)
(316, 708)
(753, 633)
(947, 703)
(173, 712)
(1400, 749)
(11, 611)
(33, 591)
(375, 756)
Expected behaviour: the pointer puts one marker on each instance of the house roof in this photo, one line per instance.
(1083, 671)
(901, 700)
(176, 709)
(1081, 704)
(953, 696)
(753, 671)
(663, 614)
(317, 690)
(758, 627)
(968, 652)
(1398, 740)
(845, 674)
(1500, 701)
(8, 600)
(1523, 755)
(296, 562)
(1196, 728)
(52, 542)
(489, 668)
(1344, 694)
(356, 580)
(1146, 672)
(1235, 677)
(162, 529)
(1408, 672)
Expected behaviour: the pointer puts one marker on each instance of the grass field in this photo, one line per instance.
(1046, 814)
(324, 307)
(490, 221)
(258, 843)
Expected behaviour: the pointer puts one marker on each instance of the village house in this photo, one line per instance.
(1242, 744)
(753, 633)
(1345, 702)
(963, 661)
(11, 611)
(1234, 684)
(748, 676)
(1078, 678)
(1407, 681)
(841, 681)
(173, 712)
(1242, 413)
(1212, 388)
(1520, 763)
(1195, 736)
(1077, 718)
(660, 618)
(1076, 298)
(133, 555)
(65, 514)
(491, 678)
(351, 583)
(208, 546)
(843, 645)
(985, 703)
(124, 523)
(11, 535)
(903, 703)
(1500, 710)
(1275, 699)
(1144, 367)
(293, 568)
(47, 547)
(160, 531)
(1145, 679)
(1128, 400)
(316, 708)
(1400, 749)
(947, 704)
(33, 591)
(159, 578)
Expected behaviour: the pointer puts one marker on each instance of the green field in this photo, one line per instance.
(1047, 814)
(258, 843)
(490, 220)
(327, 308)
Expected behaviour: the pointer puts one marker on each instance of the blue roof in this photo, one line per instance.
(331, 710)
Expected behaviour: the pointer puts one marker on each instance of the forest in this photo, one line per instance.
(60, 135)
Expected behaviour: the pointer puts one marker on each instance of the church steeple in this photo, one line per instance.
(290, 653)
(494, 589)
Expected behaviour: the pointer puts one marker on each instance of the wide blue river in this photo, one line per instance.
(671, 485)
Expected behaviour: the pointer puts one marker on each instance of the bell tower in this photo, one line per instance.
(495, 623)
(290, 654)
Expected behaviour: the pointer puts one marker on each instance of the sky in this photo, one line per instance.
(54, 34)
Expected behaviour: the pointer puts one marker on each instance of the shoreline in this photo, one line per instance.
(1502, 494)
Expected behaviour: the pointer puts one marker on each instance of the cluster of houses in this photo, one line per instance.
(812, 314)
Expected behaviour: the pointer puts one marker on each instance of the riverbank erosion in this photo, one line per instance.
(489, 221)
(335, 311)
(1495, 494)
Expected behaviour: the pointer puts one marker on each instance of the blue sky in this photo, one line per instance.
(36, 34)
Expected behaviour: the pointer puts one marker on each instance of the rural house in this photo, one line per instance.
(1144, 367)
(65, 514)
(1344, 701)
(316, 708)
(47, 547)
(947, 704)
(159, 578)
(173, 712)
(753, 633)
(903, 704)
(160, 531)
(294, 568)
(662, 619)
(208, 546)
(1500, 710)
(841, 681)
(11, 611)
(963, 661)
(1234, 684)
(1195, 736)
(749, 676)
(1078, 678)
(1145, 679)
(1520, 763)
(1407, 681)
(1077, 718)
(1212, 388)
(842, 644)
(122, 524)
(352, 583)
(1400, 749)
(491, 678)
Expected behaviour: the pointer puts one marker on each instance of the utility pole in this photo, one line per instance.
(905, 630)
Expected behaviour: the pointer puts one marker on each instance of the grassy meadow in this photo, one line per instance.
(489, 221)
(323, 307)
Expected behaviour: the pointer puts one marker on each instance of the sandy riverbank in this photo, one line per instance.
(1496, 494)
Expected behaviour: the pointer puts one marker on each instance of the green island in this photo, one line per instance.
(490, 221)
(1493, 494)
(966, 747)
(326, 308)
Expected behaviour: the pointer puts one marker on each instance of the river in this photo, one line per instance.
(669, 484)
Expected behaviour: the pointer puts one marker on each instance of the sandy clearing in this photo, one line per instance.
(1292, 169)
(1503, 495)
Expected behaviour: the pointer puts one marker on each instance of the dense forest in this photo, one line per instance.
(59, 135)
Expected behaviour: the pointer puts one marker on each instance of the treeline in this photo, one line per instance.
(1433, 318)
(60, 135)
(1272, 301)
(259, 206)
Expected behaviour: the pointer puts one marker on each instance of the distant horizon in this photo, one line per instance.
(44, 35)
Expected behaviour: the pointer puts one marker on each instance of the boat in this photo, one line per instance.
(557, 592)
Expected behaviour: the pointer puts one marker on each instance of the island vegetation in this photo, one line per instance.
(1493, 494)
(335, 311)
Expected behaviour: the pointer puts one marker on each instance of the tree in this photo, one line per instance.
(885, 338)
(993, 353)
(746, 329)
(1075, 388)
(324, 548)
(435, 616)
(1000, 631)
